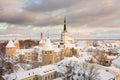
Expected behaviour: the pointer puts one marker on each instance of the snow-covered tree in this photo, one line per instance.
(74, 69)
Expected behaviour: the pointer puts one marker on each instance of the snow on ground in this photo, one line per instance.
(111, 57)
(60, 78)
(105, 75)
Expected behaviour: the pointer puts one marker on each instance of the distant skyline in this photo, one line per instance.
(86, 19)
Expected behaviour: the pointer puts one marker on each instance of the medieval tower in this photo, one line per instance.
(10, 49)
(48, 53)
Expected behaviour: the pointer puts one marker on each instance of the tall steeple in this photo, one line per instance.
(64, 35)
(41, 42)
(41, 36)
(65, 30)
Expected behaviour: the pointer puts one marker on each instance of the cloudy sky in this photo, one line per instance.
(86, 19)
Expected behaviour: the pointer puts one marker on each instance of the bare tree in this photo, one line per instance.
(74, 70)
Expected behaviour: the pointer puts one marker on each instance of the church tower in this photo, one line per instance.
(17, 44)
(10, 49)
(48, 53)
(64, 35)
(41, 43)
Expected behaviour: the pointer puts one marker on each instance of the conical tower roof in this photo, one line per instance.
(16, 43)
(48, 45)
(65, 29)
(10, 44)
(41, 41)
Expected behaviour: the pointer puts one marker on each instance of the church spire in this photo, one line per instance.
(41, 36)
(65, 25)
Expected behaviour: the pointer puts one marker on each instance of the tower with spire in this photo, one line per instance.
(41, 42)
(64, 35)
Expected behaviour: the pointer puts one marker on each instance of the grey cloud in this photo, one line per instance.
(15, 17)
(50, 20)
(93, 13)
(49, 5)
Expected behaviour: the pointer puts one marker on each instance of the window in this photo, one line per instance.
(45, 78)
(33, 78)
(51, 76)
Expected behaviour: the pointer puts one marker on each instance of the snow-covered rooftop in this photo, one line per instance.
(21, 51)
(16, 42)
(57, 50)
(111, 57)
(116, 62)
(60, 78)
(69, 45)
(81, 45)
(104, 75)
(41, 41)
(48, 45)
(10, 44)
(24, 74)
